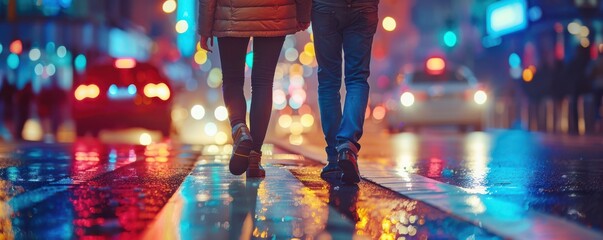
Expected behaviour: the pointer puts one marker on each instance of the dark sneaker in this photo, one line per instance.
(239, 160)
(255, 169)
(349, 166)
(330, 170)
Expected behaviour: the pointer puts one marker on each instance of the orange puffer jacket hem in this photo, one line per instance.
(252, 18)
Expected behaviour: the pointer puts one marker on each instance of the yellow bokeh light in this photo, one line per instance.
(307, 120)
(306, 59)
(145, 139)
(221, 138)
(389, 24)
(528, 75)
(309, 49)
(169, 6)
(296, 128)
(181, 26)
(285, 121)
(200, 57)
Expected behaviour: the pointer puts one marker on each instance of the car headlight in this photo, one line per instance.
(407, 99)
(480, 97)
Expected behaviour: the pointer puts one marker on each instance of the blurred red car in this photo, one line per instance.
(122, 94)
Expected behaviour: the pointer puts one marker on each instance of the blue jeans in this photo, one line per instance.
(350, 29)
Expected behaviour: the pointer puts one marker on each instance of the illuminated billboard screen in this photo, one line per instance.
(506, 17)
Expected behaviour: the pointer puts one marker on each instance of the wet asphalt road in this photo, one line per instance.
(164, 191)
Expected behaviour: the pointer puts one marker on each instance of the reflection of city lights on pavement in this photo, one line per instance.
(221, 138)
(296, 139)
(169, 6)
(221, 113)
(181, 26)
(285, 121)
(211, 129)
(197, 112)
(389, 24)
(296, 128)
(307, 120)
(145, 139)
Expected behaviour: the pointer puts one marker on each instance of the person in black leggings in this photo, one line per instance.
(234, 23)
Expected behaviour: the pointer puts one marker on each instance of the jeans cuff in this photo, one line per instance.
(348, 145)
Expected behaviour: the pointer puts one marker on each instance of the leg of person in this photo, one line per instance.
(328, 40)
(232, 56)
(266, 53)
(357, 45)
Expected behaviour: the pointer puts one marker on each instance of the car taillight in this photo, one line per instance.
(86, 91)
(161, 91)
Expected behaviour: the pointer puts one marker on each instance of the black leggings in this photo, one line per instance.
(233, 51)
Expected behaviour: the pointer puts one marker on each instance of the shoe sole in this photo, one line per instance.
(239, 161)
(330, 174)
(349, 174)
(256, 173)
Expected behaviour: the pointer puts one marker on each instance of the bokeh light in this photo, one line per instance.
(181, 26)
(169, 6)
(200, 57)
(296, 128)
(39, 69)
(51, 69)
(285, 121)
(62, 51)
(197, 112)
(249, 59)
(291, 54)
(16, 47)
(221, 138)
(407, 99)
(389, 24)
(35, 54)
(145, 139)
(221, 113)
(214, 80)
(309, 49)
(211, 129)
(13, 61)
(307, 120)
(528, 75)
(379, 113)
(80, 63)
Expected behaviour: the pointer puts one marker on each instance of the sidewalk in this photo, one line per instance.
(505, 219)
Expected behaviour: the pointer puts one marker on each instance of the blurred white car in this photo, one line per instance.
(438, 94)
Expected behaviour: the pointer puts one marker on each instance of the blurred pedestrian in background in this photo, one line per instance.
(235, 22)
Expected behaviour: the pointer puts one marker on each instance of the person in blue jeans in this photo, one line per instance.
(348, 26)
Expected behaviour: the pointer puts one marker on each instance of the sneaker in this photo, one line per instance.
(329, 170)
(349, 166)
(239, 160)
(255, 169)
